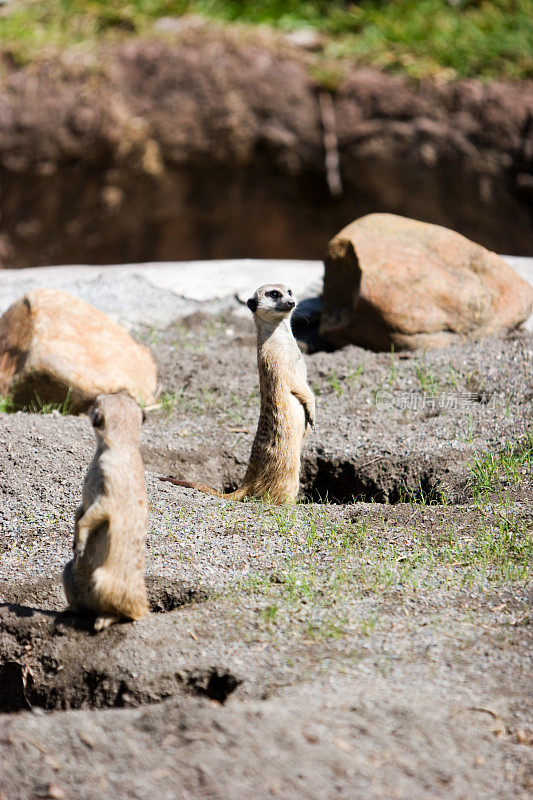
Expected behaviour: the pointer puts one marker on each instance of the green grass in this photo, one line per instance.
(6, 405)
(327, 571)
(429, 382)
(421, 497)
(187, 401)
(37, 405)
(339, 383)
(434, 37)
(353, 377)
(323, 563)
(491, 472)
(323, 575)
(486, 38)
(335, 383)
(169, 400)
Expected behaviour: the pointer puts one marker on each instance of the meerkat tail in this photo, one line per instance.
(190, 485)
(238, 494)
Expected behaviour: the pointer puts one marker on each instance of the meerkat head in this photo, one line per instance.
(115, 416)
(272, 302)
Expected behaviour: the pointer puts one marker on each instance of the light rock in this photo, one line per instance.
(52, 342)
(390, 280)
(306, 38)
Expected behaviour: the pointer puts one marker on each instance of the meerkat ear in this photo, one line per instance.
(97, 418)
(143, 415)
(252, 304)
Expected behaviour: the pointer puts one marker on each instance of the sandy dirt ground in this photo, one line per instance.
(374, 641)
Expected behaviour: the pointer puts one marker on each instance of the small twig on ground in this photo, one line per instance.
(500, 730)
(372, 461)
(42, 749)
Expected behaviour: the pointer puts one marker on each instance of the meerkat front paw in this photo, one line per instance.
(309, 411)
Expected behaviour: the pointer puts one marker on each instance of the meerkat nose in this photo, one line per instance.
(291, 303)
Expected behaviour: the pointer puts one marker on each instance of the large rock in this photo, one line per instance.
(52, 342)
(396, 281)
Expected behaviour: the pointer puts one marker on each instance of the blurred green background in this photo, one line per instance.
(439, 38)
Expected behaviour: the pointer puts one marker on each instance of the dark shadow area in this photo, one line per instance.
(305, 323)
(383, 479)
(16, 683)
(76, 620)
(55, 660)
(215, 683)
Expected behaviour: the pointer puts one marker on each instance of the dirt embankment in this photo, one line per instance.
(212, 145)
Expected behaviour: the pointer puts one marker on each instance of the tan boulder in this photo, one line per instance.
(390, 280)
(52, 342)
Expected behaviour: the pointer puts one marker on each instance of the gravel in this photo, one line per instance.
(407, 691)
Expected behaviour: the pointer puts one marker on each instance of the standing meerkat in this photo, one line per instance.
(287, 404)
(106, 575)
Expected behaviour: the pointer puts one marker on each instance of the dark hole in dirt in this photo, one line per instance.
(215, 684)
(383, 480)
(15, 687)
(43, 686)
(53, 660)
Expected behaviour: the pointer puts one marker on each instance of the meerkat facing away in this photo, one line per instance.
(106, 575)
(287, 404)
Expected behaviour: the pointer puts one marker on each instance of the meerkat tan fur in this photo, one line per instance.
(106, 575)
(287, 403)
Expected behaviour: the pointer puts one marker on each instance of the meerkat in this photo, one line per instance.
(287, 404)
(106, 575)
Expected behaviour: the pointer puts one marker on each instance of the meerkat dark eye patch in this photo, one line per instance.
(252, 304)
(274, 294)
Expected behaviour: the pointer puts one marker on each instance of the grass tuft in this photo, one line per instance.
(37, 405)
(491, 472)
(6, 405)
